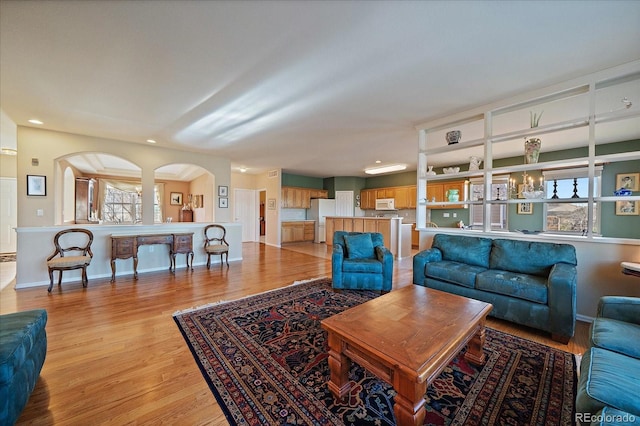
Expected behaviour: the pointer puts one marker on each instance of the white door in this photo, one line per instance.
(8, 214)
(344, 203)
(245, 213)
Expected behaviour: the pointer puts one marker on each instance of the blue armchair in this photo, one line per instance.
(360, 261)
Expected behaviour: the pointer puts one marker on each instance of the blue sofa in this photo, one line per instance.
(360, 261)
(23, 348)
(529, 283)
(609, 383)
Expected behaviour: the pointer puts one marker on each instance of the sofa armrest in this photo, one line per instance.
(337, 258)
(562, 284)
(385, 256)
(421, 259)
(621, 308)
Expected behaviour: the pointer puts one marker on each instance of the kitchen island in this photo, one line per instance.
(389, 227)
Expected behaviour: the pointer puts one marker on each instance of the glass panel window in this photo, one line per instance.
(122, 202)
(571, 217)
(498, 211)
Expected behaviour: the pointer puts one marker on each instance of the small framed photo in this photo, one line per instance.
(520, 189)
(223, 191)
(525, 208)
(37, 185)
(629, 181)
(175, 198)
(627, 208)
(223, 203)
(271, 203)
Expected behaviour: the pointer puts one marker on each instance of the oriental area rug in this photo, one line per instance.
(265, 360)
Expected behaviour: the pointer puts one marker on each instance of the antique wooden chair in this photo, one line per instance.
(74, 241)
(215, 243)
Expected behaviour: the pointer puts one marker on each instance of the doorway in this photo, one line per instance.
(245, 212)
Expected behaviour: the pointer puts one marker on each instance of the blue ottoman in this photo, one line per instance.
(23, 348)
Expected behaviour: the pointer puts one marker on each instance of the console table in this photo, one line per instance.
(126, 246)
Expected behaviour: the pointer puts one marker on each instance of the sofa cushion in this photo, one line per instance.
(608, 379)
(371, 266)
(18, 332)
(520, 286)
(359, 246)
(528, 257)
(617, 336)
(465, 249)
(453, 272)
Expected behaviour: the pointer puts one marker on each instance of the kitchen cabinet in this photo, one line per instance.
(358, 224)
(368, 199)
(415, 237)
(300, 198)
(298, 231)
(404, 196)
(437, 193)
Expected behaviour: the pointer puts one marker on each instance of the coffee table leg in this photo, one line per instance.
(409, 401)
(475, 354)
(339, 366)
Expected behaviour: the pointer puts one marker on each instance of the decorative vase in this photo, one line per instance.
(453, 195)
(531, 150)
(454, 136)
(431, 172)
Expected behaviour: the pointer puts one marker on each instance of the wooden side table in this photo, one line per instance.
(182, 243)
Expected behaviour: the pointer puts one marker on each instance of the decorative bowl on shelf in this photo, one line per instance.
(622, 192)
(533, 194)
(450, 170)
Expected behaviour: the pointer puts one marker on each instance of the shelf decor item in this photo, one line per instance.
(532, 145)
(474, 163)
(454, 136)
(453, 195)
(430, 172)
(451, 170)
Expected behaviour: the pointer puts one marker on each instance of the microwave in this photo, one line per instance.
(385, 204)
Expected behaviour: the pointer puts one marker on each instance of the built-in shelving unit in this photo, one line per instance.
(591, 123)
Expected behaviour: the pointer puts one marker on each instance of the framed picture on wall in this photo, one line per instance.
(629, 181)
(627, 208)
(525, 208)
(223, 191)
(36, 185)
(175, 199)
(223, 203)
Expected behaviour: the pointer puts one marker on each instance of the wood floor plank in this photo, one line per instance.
(116, 356)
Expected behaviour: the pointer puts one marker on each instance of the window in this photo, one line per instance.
(498, 211)
(121, 201)
(571, 218)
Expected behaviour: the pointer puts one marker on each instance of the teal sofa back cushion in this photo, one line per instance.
(359, 246)
(527, 257)
(461, 248)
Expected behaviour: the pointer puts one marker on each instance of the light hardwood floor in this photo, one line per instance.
(115, 355)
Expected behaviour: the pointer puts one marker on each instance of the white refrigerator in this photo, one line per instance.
(321, 208)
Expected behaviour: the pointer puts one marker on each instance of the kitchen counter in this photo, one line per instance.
(389, 227)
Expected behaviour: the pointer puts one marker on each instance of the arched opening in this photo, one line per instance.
(188, 193)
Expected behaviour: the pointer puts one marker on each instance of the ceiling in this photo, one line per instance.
(314, 88)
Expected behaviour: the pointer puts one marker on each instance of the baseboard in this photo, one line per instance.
(584, 318)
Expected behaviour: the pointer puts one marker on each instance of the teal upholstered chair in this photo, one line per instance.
(360, 261)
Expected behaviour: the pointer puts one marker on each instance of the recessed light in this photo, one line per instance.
(385, 169)
(151, 141)
(34, 121)
(378, 161)
(243, 169)
(8, 151)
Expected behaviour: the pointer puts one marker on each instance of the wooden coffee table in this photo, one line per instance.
(406, 338)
